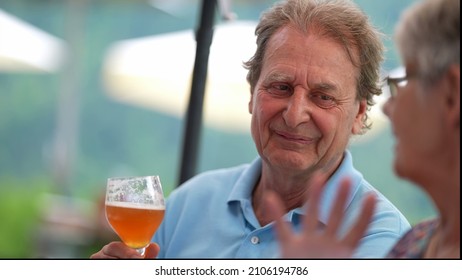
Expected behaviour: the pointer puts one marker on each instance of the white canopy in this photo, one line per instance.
(156, 72)
(26, 48)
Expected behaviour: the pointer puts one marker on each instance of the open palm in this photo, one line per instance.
(314, 241)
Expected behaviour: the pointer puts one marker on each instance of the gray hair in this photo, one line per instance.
(341, 20)
(429, 35)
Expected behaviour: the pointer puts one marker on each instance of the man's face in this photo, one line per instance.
(304, 105)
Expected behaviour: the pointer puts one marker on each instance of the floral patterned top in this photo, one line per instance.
(415, 242)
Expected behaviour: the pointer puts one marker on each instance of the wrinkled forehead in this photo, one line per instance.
(317, 30)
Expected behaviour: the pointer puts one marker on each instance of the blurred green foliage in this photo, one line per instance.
(19, 214)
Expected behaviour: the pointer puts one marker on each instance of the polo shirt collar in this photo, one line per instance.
(242, 189)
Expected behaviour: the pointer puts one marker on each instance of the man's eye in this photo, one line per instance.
(280, 89)
(323, 100)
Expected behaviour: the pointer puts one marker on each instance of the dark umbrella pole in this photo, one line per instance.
(193, 127)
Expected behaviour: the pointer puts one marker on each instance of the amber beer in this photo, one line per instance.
(135, 224)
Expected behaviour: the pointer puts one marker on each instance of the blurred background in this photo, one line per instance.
(91, 89)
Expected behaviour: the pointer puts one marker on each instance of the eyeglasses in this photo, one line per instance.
(395, 84)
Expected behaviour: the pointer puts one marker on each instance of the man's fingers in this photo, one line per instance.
(152, 251)
(119, 250)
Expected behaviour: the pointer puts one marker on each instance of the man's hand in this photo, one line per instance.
(118, 250)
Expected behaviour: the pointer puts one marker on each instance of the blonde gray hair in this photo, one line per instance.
(429, 36)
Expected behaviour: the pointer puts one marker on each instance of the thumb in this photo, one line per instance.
(152, 251)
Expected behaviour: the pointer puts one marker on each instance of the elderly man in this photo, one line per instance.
(312, 80)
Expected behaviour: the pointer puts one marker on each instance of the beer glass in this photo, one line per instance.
(135, 208)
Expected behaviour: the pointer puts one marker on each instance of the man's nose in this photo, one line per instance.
(298, 109)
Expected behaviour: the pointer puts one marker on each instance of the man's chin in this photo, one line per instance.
(290, 160)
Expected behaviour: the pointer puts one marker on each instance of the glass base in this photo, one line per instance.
(141, 251)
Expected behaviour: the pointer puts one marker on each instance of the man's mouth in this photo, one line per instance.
(294, 137)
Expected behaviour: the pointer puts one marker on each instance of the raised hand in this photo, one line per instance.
(313, 241)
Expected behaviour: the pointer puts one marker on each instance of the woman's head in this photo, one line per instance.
(428, 36)
(425, 113)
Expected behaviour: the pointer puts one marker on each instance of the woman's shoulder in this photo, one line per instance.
(414, 243)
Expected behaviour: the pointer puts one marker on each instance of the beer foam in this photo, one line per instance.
(135, 205)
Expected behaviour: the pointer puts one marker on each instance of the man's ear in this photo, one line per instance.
(358, 124)
(452, 95)
(251, 103)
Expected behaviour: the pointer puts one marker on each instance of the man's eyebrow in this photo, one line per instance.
(279, 77)
(284, 77)
(325, 86)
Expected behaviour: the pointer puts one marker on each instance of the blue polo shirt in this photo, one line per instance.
(211, 216)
